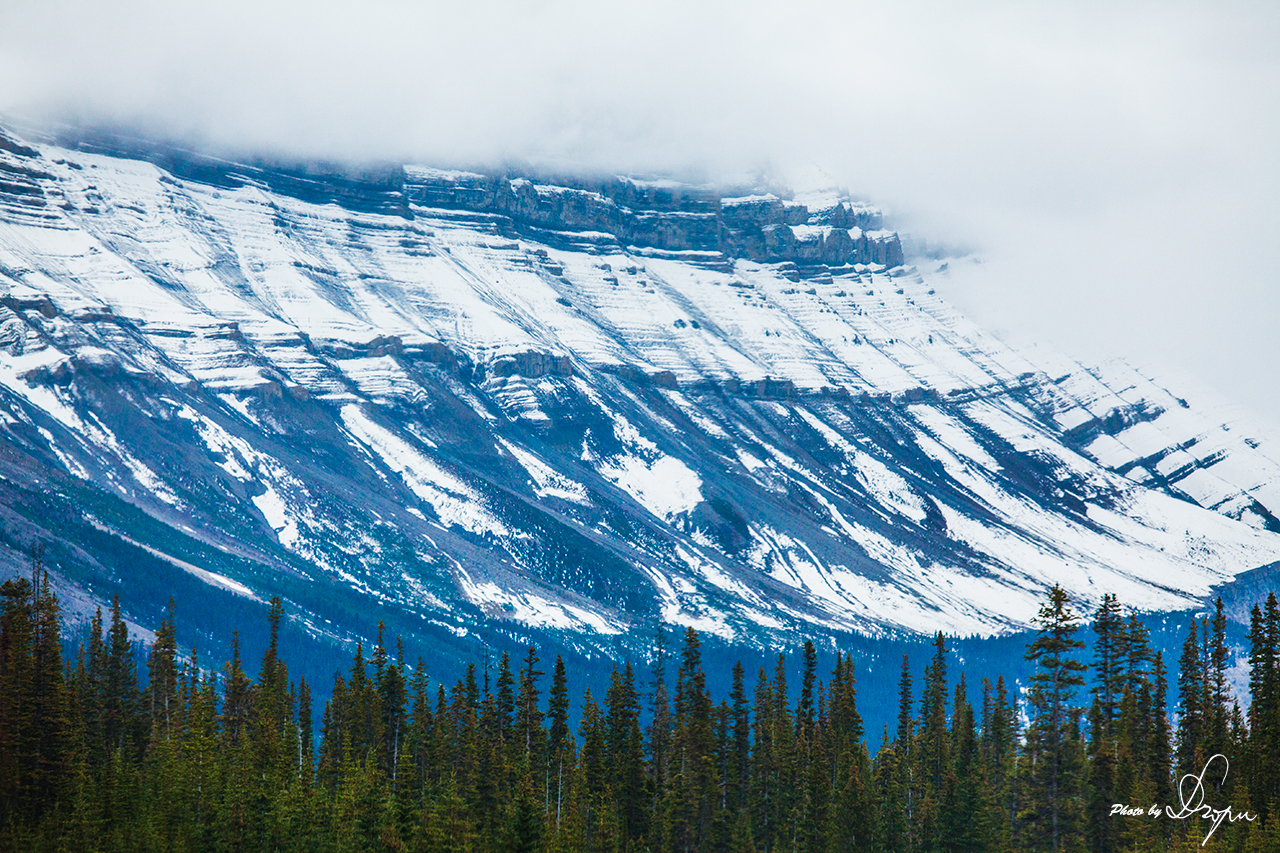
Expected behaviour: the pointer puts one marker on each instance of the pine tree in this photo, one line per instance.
(1111, 653)
(528, 715)
(505, 703)
(17, 688)
(738, 762)
(201, 748)
(805, 708)
(784, 765)
(965, 790)
(1264, 708)
(306, 756)
(933, 750)
(560, 747)
(1192, 702)
(999, 747)
(762, 792)
(393, 723)
(1219, 691)
(594, 777)
(121, 698)
(166, 707)
(693, 770)
(162, 680)
(1053, 782)
(1159, 760)
(854, 819)
(659, 744)
(906, 762)
(891, 797)
(906, 723)
(625, 752)
(526, 823)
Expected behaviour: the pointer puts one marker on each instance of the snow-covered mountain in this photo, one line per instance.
(470, 403)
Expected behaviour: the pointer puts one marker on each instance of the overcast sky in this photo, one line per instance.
(1117, 164)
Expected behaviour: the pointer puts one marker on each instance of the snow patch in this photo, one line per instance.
(453, 500)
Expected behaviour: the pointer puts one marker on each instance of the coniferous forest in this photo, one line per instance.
(96, 755)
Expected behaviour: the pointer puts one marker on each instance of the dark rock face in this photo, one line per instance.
(677, 218)
(565, 212)
(22, 195)
(531, 365)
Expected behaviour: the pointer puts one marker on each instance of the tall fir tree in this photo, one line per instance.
(1053, 781)
(1110, 656)
(1264, 708)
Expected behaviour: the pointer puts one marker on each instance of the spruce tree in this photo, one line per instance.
(528, 714)
(121, 698)
(965, 796)
(560, 758)
(1192, 702)
(1264, 708)
(762, 793)
(854, 822)
(693, 770)
(394, 713)
(625, 752)
(1110, 656)
(17, 688)
(739, 758)
(659, 741)
(1053, 777)
(1219, 691)
(932, 750)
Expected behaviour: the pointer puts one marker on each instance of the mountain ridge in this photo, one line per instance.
(497, 422)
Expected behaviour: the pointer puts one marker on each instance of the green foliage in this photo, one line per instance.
(1053, 768)
(201, 761)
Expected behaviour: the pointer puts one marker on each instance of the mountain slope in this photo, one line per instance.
(485, 403)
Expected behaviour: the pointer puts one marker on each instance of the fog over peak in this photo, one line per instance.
(1115, 163)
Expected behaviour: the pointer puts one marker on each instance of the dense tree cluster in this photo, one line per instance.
(197, 760)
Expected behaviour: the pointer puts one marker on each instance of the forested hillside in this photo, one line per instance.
(95, 755)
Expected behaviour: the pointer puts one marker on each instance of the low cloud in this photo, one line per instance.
(1115, 162)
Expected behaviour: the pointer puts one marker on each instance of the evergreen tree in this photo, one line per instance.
(891, 796)
(1192, 703)
(659, 743)
(1264, 708)
(560, 747)
(999, 748)
(1111, 654)
(905, 763)
(162, 681)
(121, 695)
(1159, 758)
(392, 701)
(17, 694)
(965, 803)
(693, 769)
(762, 793)
(1220, 699)
(1053, 780)
(933, 750)
(854, 820)
(625, 753)
(528, 715)
(505, 702)
(738, 763)
(199, 762)
(527, 825)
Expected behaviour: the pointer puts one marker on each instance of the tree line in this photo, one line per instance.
(95, 758)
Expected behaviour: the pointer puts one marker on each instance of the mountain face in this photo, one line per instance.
(486, 405)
